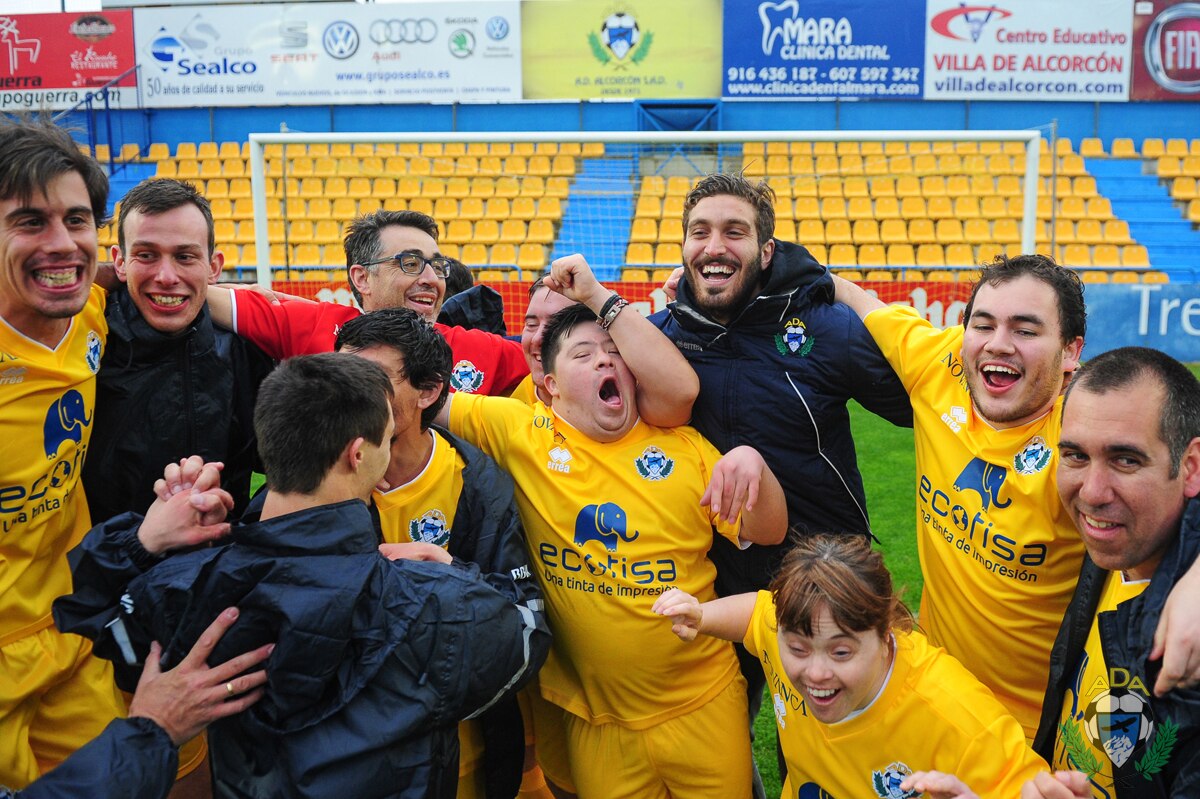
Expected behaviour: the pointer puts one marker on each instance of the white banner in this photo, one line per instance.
(329, 53)
(1028, 50)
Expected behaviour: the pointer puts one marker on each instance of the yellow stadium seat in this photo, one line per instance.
(818, 252)
(507, 187)
(837, 231)
(1124, 148)
(1099, 208)
(908, 186)
(639, 253)
(1106, 255)
(1134, 255)
(829, 187)
(939, 276)
(938, 208)
(471, 208)
(1177, 147)
(1064, 231)
(913, 208)
(921, 231)
(523, 208)
(1091, 148)
(976, 231)
(648, 206)
(866, 231)
(872, 255)
(306, 255)
(810, 231)
(1125, 277)
(933, 186)
(1153, 148)
(1183, 189)
(860, 208)
(1075, 255)
(487, 232)
(893, 231)
(1168, 167)
(541, 231)
(930, 255)
(668, 253)
(458, 231)
(1116, 231)
(531, 256)
(887, 208)
(785, 229)
(901, 255)
(880, 276)
(960, 255)
(549, 208)
(807, 208)
(1089, 231)
(635, 276)
(1155, 277)
(512, 231)
(474, 254)
(444, 208)
(833, 208)
(503, 254)
(843, 255)
(654, 186)
(327, 231)
(1094, 276)
(853, 275)
(559, 187)
(1006, 231)
(167, 169)
(243, 208)
(949, 231)
(672, 229)
(539, 165)
(678, 186)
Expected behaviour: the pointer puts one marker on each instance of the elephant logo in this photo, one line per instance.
(986, 480)
(65, 420)
(604, 523)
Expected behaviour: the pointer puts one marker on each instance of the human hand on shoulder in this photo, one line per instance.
(937, 785)
(1060, 785)
(1177, 637)
(734, 485)
(572, 277)
(683, 610)
(419, 550)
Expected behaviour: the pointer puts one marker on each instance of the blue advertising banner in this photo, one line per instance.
(1165, 317)
(823, 49)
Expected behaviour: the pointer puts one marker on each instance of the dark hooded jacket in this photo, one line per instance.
(160, 398)
(1127, 638)
(477, 308)
(375, 663)
(778, 378)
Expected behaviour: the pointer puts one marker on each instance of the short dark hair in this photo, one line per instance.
(159, 195)
(760, 196)
(844, 574)
(1179, 421)
(559, 327)
(310, 408)
(34, 152)
(1068, 288)
(361, 242)
(426, 353)
(460, 278)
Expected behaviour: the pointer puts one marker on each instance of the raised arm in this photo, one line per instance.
(743, 483)
(855, 296)
(726, 618)
(667, 385)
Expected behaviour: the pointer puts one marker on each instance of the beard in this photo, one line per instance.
(725, 302)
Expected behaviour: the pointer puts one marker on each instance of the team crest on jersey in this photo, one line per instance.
(794, 340)
(654, 464)
(431, 528)
(1033, 457)
(887, 782)
(93, 351)
(465, 377)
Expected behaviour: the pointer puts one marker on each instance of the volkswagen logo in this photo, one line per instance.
(497, 28)
(1172, 42)
(340, 40)
(403, 31)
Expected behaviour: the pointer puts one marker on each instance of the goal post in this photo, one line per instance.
(640, 155)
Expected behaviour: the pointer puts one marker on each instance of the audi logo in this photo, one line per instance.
(403, 31)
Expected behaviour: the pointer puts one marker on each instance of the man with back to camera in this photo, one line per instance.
(615, 510)
(999, 555)
(171, 384)
(447, 499)
(57, 696)
(375, 661)
(394, 262)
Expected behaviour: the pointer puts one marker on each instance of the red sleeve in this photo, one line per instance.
(296, 327)
(484, 363)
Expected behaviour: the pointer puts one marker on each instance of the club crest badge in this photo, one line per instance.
(794, 340)
(619, 36)
(654, 464)
(1033, 457)
(94, 349)
(465, 377)
(887, 782)
(431, 528)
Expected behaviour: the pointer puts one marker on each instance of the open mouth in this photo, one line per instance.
(999, 376)
(822, 696)
(167, 300)
(609, 393)
(57, 277)
(717, 272)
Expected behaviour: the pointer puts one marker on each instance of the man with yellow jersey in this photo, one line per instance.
(445, 499)
(999, 556)
(55, 696)
(615, 514)
(1128, 475)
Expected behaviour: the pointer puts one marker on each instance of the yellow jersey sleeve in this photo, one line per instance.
(913, 346)
(47, 402)
(525, 391)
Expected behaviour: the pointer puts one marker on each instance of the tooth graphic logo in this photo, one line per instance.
(620, 34)
(1033, 457)
(340, 40)
(794, 340)
(654, 464)
(783, 25)
(887, 782)
(604, 523)
(986, 480)
(975, 19)
(465, 377)
(65, 419)
(431, 528)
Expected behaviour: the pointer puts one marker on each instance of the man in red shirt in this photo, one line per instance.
(394, 262)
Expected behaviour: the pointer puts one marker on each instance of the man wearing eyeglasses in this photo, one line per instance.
(394, 262)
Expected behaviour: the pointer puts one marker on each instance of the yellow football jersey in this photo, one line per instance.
(525, 391)
(1099, 710)
(931, 714)
(610, 527)
(999, 555)
(47, 401)
(423, 508)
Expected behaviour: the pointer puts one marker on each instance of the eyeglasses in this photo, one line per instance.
(413, 263)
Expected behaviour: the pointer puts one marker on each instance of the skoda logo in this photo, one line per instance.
(497, 28)
(1172, 41)
(462, 43)
(403, 31)
(340, 40)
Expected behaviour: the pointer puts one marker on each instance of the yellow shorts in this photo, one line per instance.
(549, 738)
(699, 755)
(54, 697)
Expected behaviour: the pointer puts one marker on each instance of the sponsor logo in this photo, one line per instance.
(465, 377)
(293, 34)
(497, 29)
(955, 418)
(340, 40)
(431, 528)
(971, 20)
(560, 459)
(461, 43)
(1033, 457)
(17, 46)
(986, 480)
(89, 59)
(887, 782)
(605, 523)
(783, 25)
(12, 375)
(402, 31)
(654, 464)
(1172, 48)
(65, 420)
(185, 52)
(620, 36)
(794, 340)
(92, 28)
(94, 349)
